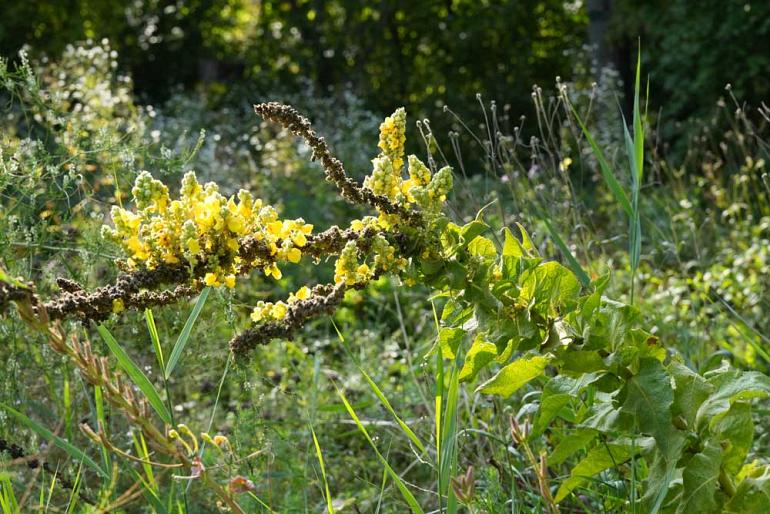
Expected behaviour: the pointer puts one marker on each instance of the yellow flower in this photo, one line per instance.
(194, 246)
(275, 227)
(118, 306)
(294, 255)
(279, 311)
(303, 293)
(236, 224)
(299, 239)
(230, 281)
(210, 279)
(273, 271)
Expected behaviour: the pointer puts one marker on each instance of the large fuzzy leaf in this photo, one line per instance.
(515, 375)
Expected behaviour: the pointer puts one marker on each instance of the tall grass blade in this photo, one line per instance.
(149, 494)
(154, 337)
(74, 493)
(606, 170)
(102, 418)
(449, 440)
(136, 374)
(381, 396)
(408, 496)
(176, 353)
(49, 436)
(328, 494)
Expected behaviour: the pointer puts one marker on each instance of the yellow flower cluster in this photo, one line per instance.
(385, 259)
(393, 138)
(427, 192)
(202, 227)
(277, 311)
(347, 269)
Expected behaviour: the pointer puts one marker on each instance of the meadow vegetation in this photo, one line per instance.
(214, 307)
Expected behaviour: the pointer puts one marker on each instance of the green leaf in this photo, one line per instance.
(515, 375)
(601, 457)
(752, 494)
(526, 241)
(136, 374)
(176, 353)
(731, 386)
(481, 353)
(571, 260)
(700, 479)
(570, 444)
(550, 285)
(690, 393)
(649, 398)
(449, 340)
(483, 247)
(49, 436)
(737, 427)
(470, 231)
(511, 246)
(556, 394)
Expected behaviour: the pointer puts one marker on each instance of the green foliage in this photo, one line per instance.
(609, 416)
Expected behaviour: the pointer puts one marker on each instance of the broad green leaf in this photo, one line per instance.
(470, 231)
(483, 247)
(582, 361)
(649, 398)
(570, 444)
(731, 386)
(556, 394)
(515, 375)
(752, 494)
(181, 342)
(526, 241)
(511, 246)
(601, 457)
(690, 393)
(700, 479)
(60, 442)
(481, 353)
(603, 416)
(550, 285)
(737, 427)
(449, 340)
(136, 375)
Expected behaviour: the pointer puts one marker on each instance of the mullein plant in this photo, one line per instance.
(177, 246)
(614, 398)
